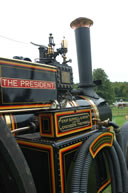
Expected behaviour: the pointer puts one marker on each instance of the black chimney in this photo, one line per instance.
(82, 35)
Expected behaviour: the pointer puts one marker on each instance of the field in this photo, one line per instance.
(120, 115)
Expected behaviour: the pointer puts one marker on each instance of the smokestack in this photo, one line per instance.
(82, 34)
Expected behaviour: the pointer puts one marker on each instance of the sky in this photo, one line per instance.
(25, 21)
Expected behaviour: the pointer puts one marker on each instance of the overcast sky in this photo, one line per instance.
(33, 20)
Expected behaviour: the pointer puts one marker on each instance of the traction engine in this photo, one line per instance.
(54, 138)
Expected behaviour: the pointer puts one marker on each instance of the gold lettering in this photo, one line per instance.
(64, 120)
(84, 123)
(68, 126)
(74, 121)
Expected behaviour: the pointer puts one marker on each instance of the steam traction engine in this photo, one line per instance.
(54, 139)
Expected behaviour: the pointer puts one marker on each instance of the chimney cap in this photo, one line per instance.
(81, 22)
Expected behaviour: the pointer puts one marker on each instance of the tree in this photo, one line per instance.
(121, 90)
(105, 90)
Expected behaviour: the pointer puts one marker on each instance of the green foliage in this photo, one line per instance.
(110, 91)
(75, 86)
(104, 90)
(121, 90)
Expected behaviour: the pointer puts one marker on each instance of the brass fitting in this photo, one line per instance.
(81, 22)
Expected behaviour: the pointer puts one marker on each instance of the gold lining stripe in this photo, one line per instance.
(41, 146)
(51, 122)
(24, 61)
(106, 144)
(61, 162)
(8, 121)
(95, 110)
(22, 110)
(75, 130)
(12, 120)
(24, 106)
(104, 185)
(26, 65)
(13, 123)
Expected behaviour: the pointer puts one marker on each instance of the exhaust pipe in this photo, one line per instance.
(82, 35)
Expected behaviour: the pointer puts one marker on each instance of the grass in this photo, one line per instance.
(107, 190)
(120, 115)
(119, 120)
(122, 111)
